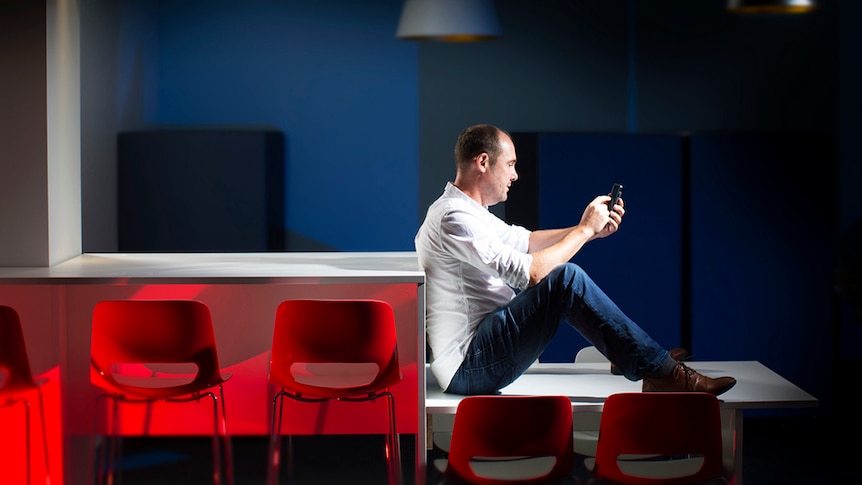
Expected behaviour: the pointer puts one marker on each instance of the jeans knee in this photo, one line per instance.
(568, 272)
(569, 277)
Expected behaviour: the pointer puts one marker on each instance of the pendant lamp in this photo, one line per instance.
(771, 6)
(448, 21)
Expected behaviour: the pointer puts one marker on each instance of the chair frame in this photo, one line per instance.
(291, 346)
(587, 426)
(180, 322)
(14, 358)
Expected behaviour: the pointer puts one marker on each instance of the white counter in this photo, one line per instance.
(243, 268)
(242, 290)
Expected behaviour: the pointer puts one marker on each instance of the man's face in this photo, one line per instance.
(502, 172)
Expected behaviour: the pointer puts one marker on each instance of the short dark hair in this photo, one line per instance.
(478, 139)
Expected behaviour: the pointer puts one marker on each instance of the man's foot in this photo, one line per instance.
(678, 354)
(684, 378)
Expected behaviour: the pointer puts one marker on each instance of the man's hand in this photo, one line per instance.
(552, 247)
(602, 221)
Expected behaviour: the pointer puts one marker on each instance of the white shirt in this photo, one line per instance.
(472, 260)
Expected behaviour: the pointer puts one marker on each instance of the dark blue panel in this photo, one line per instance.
(201, 191)
(639, 266)
(763, 218)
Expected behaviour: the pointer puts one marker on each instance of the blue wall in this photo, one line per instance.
(326, 74)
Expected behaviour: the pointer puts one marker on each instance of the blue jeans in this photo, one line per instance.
(509, 339)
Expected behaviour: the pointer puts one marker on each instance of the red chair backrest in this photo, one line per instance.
(659, 423)
(511, 426)
(322, 331)
(14, 362)
(153, 332)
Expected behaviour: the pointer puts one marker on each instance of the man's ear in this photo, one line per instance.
(482, 161)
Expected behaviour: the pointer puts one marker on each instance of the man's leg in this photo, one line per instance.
(511, 338)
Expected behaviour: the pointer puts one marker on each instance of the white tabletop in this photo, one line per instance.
(588, 384)
(257, 267)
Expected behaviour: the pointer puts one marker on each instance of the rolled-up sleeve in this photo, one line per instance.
(490, 245)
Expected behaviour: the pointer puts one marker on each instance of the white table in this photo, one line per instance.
(588, 384)
(242, 291)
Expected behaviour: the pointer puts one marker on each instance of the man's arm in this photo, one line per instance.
(553, 247)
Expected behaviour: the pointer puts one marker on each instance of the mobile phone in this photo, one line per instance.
(616, 191)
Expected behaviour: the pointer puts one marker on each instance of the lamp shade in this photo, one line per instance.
(448, 20)
(771, 6)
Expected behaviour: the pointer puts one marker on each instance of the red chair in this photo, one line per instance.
(652, 438)
(342, 350)
(16, 380)
(511, 439)
(144, 351)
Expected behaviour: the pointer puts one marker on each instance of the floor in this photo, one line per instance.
(777, 450)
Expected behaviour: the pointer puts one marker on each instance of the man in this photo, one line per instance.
(482, 334)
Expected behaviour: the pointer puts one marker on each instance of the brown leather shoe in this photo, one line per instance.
(684, 378)
(678, 354)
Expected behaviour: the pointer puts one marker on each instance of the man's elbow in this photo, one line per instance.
(535, 277)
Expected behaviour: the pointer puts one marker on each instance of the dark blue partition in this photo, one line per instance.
(762, 230)
(640, 267)
(201, 191)
(736, 264)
